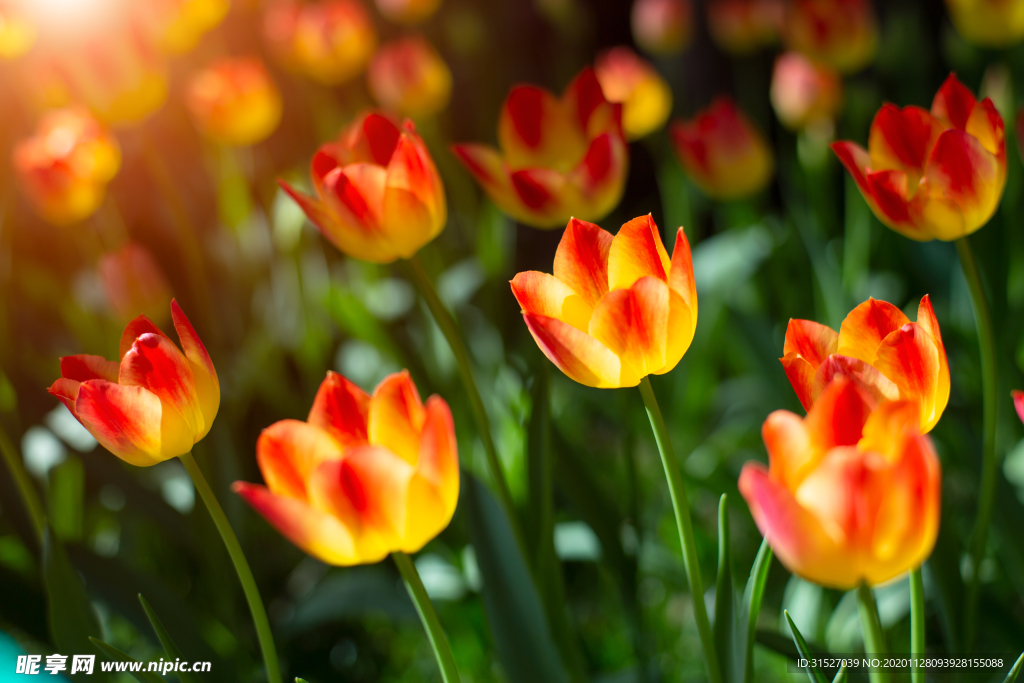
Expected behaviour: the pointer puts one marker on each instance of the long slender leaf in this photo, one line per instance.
(301, 680)
(752, 596)
(1012, 676)
(170, 649)
(727, 627)
(118, 656)
(813, 672)
(840, 675)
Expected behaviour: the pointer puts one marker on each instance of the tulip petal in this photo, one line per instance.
(543, 294)
(910, 357)
(535, 130)
(637, 252)
(681, 327)
(157, 365)
(439, 456)
(204, 374)
(954, 102)
(872, 381)
(600, 177)
(289, 451)
(540, 190)
(633, 323)
(1018, 403)
(890, 202)
(900, 139)
(577, 354)
(986, 125)
(135, 329)
(810, 340)
(801, 375)
(314, 209)
(85, 367)
(790, 448)
(341, 409)
(866, 326)
(888, 428)
(396, 417)
(356, 192)
(838, 415)
(484, 163)
(963, 182)
(374, 141)
(584, 97)
(411, 169)
(857, 162)
(581, 261)
(680, 277)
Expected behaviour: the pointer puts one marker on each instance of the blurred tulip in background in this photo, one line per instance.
(740, 27)
(17, 34)
(178, 25)
(803, 93)
(842, 34)
(234, 101)
(408, 77)
(662, 27)
(629, 79)
(408, 11)
(988, 23)
(134, 283)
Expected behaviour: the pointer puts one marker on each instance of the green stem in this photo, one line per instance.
(989, 383)
(681, 507)
(871, 626)
(916, 624)
(444, 320)
(435, 634)
(252, 594)
(29, 495)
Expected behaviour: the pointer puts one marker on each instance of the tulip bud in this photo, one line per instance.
(740, 27)
(722, 152)
(804, 93)
(840, 33)
(630, 80)
(988, 23)
(134, 283)
(17, 34)
(379, 196)
(65, 166)
(408, 11)
(234, 102)
(408, 76)
(662, 27)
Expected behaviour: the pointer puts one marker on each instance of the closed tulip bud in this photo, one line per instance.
(988, 23)
(153, 405)
(842, 34)
(722, 152)
(408, 11)
(662, 27)
(932, 175)
(363, 476)
(633, 82)
(804, 93)
(234, 101)
(852, 492)
(177, 25)
(617, 308)
(379, 196)
(408, 76)
(740, 27)
(17, 34)
(330, 41)
(65, 166)
(134, 283)
(559, 158)
(892, 357)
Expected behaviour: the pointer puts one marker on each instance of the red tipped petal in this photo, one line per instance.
(680, 277)
(396, 416)
(953, 102)
(633, 324)
(135, 329)
(581, 261)
(341, 409)
(577, 354)
(866, 326)
(1018, 403)
(812, 341)
(84, 367)
(636, 252)
(289, 451)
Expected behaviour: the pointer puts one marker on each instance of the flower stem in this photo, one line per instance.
(450, 330)
(986, 494)
(916, 624)
(29, 495)
(435, 634)
(252, 594)
(681, 507)
(871, 626)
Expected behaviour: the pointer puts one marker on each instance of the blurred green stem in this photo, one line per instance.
(435, 634)
(986, 494)
(871, 626)
(29, 495)
(681, 507)
(450, 329)
(252, 593)
(916, 624)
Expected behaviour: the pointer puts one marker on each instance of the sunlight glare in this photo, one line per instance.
(68, 14)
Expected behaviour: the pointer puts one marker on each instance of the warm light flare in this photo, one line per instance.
(70, 15)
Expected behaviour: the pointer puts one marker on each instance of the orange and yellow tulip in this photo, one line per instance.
(722, 152)
(177, 25)
(559, 157)
(842, 34)
(616, 309)
(234, 101)
(17, 33)
(740, 27)
(804, 93)
(331, 41)
(893, 357)
(408, 11)
(364, 476)
(932, 175)
(65, 166)
(134, 283)
(633, 82)
(379, 196)
(408, 76)
(152, 406)
(662, 27)
(852, 493)
(988, 23)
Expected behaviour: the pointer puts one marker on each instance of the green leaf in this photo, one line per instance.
(1012, 676)
(170, 649)
(728, 624)
(301, 680)
(840, 675)
(514, 610)
(116, 655)
(752, 596)
(801, 645)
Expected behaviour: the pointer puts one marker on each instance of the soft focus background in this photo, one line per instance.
(277, 306)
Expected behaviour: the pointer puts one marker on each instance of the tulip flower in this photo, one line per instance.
(559, 157)
(616, 308)
(408, 76)
(134, 283)
(932, 175)
(379, 196)
(65, 166)
(804, 93)
(842, 34)
(17, 34)
(662, 27)
(177, 25)
(152, 406)
(722, 152)
(408, 11)
(330, 41)
(740, 27)
(234, 102)
(363, 476)
(852, 493)
(1018, 403)
(988, 23)
(632, 81)
(893, 357)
